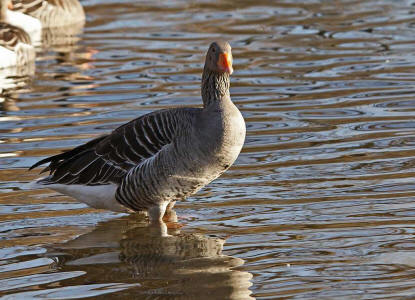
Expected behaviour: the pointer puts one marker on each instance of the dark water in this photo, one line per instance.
(320, 204)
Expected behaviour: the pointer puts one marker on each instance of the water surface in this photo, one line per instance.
(320, 203)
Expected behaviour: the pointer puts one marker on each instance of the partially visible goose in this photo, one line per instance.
(52, 13)
(15, 45)
(160, 157)
(29, 24)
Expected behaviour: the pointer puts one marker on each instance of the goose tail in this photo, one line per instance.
(34, 185)
(58, 159)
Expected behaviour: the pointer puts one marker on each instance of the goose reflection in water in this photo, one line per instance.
(61, 38)
(179, 265)
(16, 79)
(63, 41)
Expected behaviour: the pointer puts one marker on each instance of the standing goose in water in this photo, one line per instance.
(158, 158)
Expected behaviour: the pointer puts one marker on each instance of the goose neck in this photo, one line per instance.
(215, 87)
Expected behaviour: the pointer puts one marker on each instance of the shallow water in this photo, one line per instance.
(319, 205)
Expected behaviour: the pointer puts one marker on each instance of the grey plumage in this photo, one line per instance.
(166, 155)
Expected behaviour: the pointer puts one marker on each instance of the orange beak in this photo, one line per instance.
(10, 5)
(225, 62)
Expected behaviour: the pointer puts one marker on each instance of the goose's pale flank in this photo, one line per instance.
(52, 13)
(158, 158)
(15, 45)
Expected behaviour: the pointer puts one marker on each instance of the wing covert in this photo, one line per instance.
(11, 35)
(107, 159)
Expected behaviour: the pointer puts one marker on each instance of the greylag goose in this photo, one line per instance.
(158, 158)
(52, 13)
(15, 45)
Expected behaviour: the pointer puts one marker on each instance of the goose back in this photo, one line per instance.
(107, 159)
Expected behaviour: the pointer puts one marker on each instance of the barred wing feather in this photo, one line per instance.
(51, 13)
(107, 159)
(11, 35)
(27, 6)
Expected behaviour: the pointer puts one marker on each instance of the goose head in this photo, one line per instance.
(219, 58)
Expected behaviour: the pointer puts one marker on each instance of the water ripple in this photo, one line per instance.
(320, 203)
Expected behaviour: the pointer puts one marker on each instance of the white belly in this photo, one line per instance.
(96, 196)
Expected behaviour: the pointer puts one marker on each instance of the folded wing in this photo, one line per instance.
(11, 35)
(28, 6)
(108, 158)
